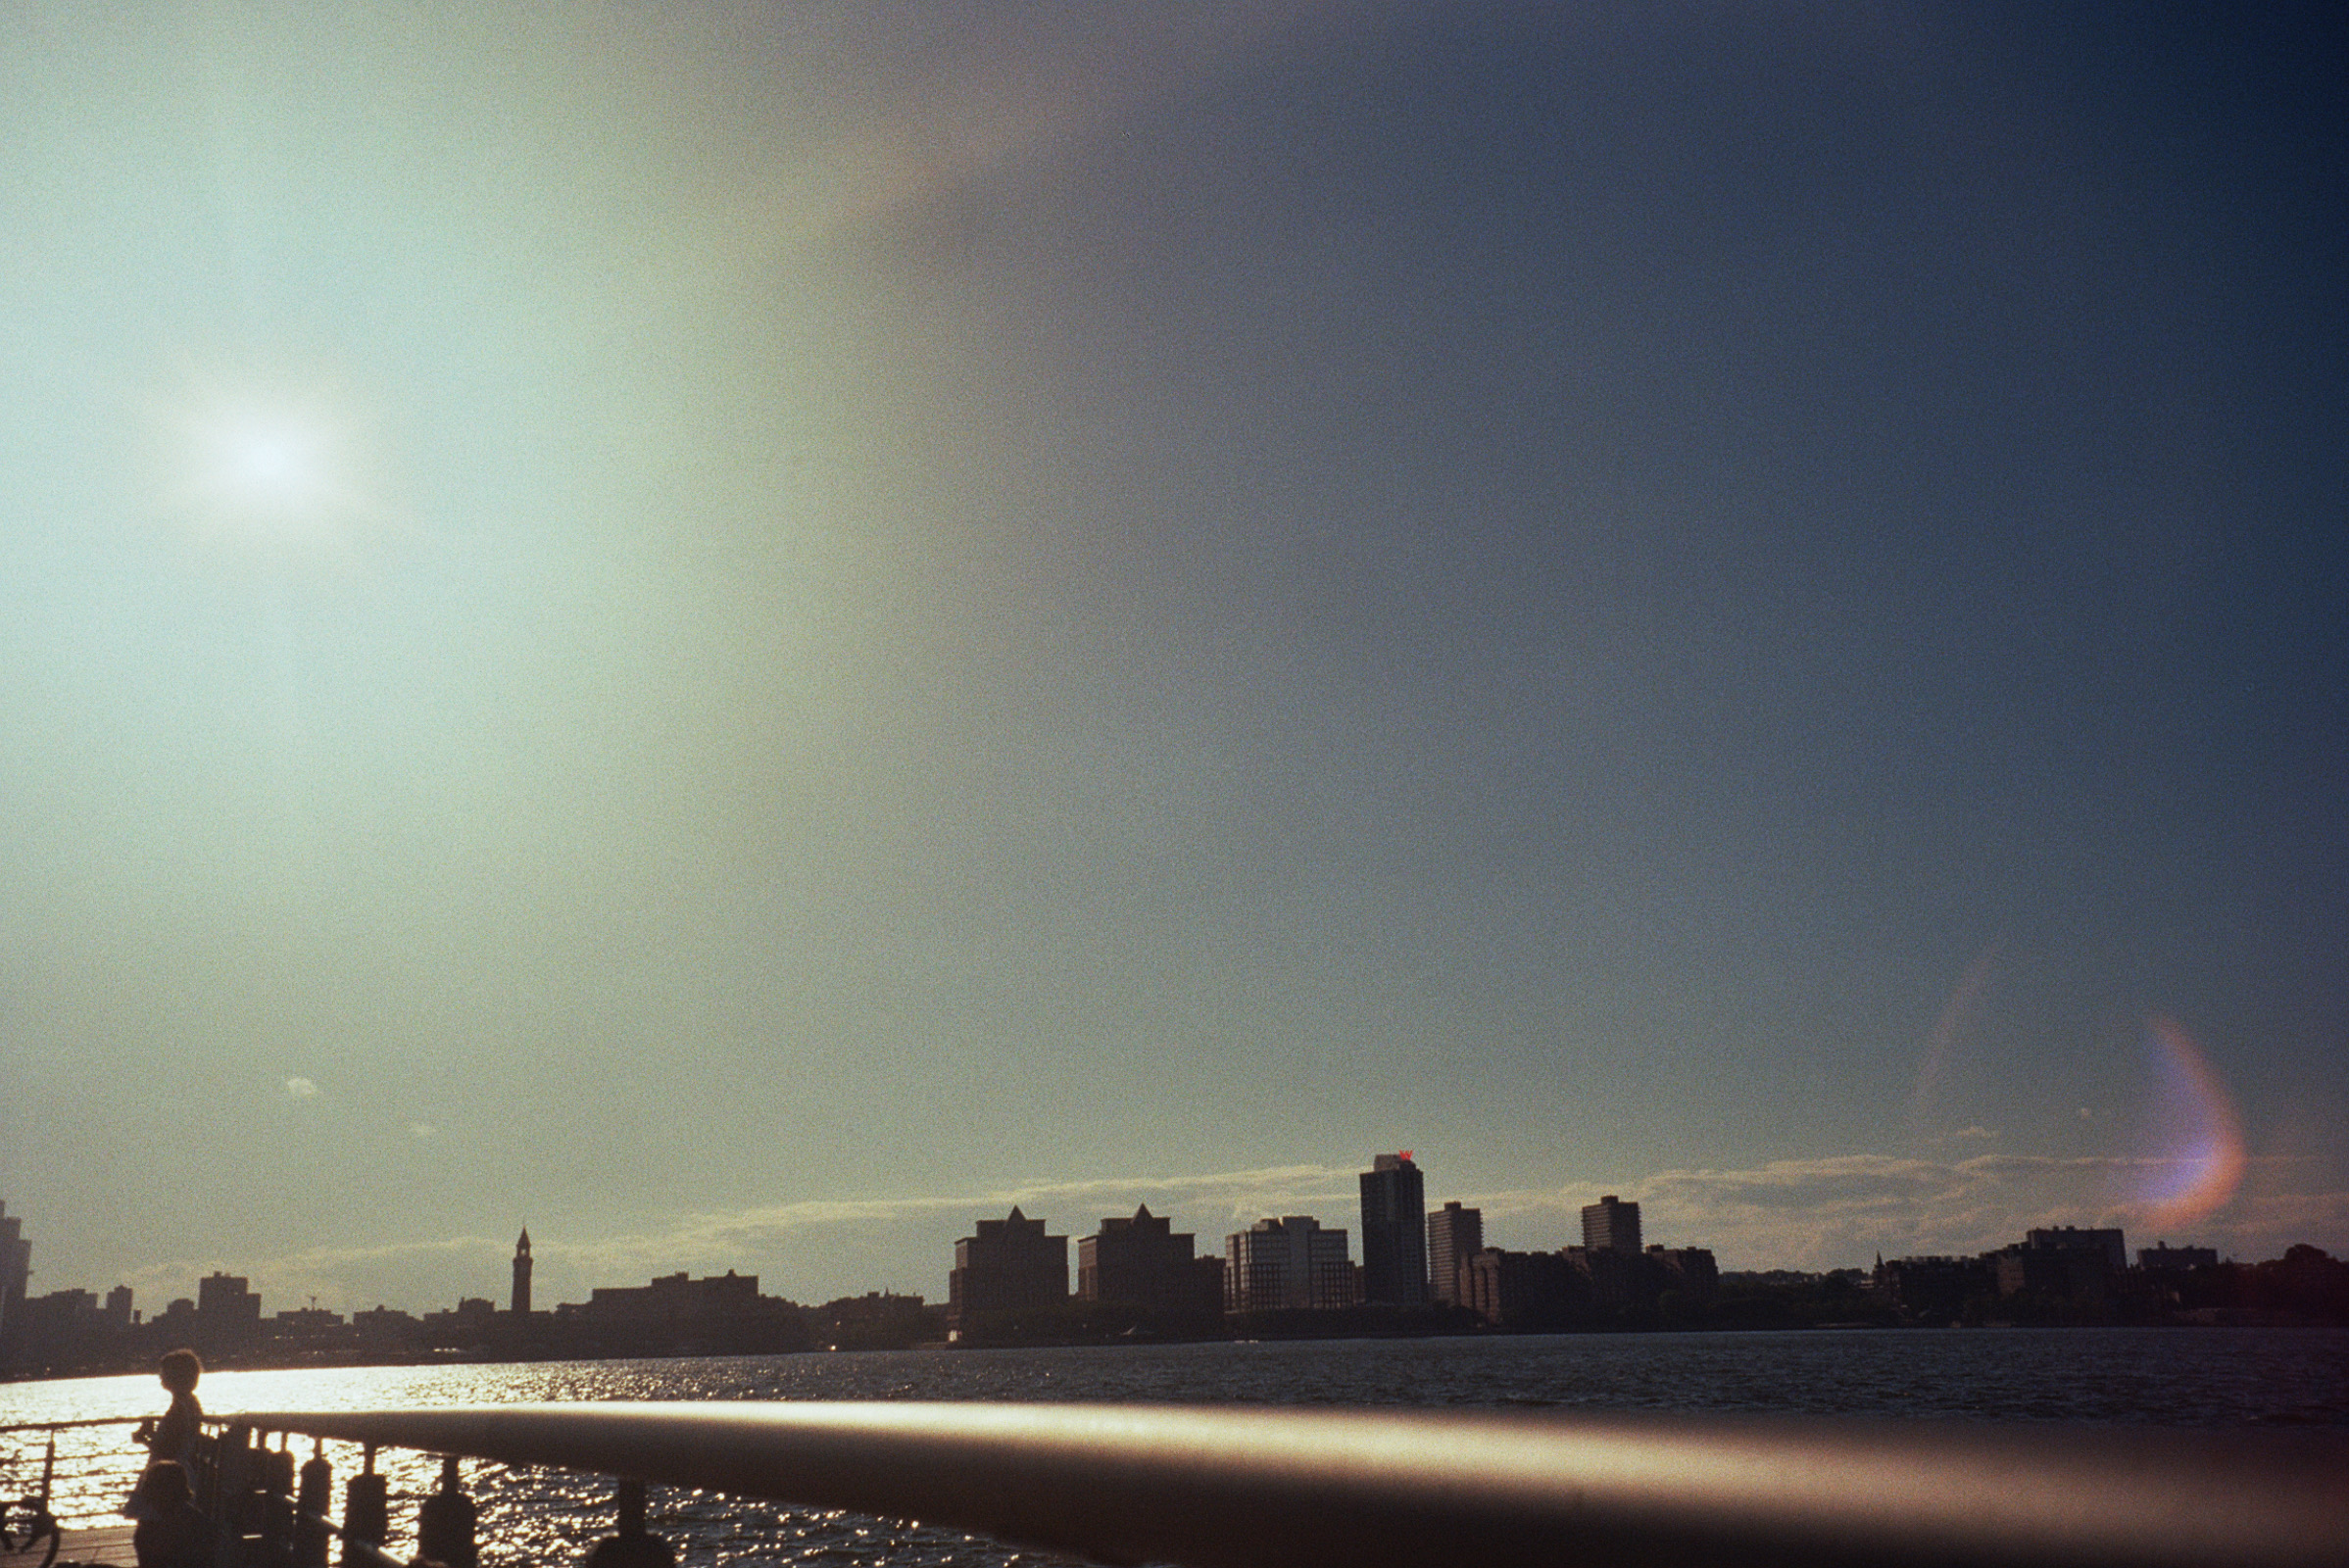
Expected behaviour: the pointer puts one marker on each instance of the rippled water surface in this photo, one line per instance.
(2206, 1378)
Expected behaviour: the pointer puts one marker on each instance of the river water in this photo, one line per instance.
(2212, 1378)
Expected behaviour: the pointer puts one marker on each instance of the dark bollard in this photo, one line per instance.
(444, 1525)
(311, 1502)
(276, 1492)
(366, 1512)
(632, 1547)
(234, 1509)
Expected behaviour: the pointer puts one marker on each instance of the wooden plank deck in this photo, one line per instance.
(93, 1547)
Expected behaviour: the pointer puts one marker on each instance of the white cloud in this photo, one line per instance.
(422, 1129)
(301, 1089)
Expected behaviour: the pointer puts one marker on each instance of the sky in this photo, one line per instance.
(743, 633)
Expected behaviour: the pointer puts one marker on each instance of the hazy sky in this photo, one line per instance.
(741, 633)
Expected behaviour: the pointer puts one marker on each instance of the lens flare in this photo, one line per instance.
(2197, 1135)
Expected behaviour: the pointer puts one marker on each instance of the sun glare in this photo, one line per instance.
(262, 471)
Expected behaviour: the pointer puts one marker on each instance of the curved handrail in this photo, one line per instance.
(1255, 1487)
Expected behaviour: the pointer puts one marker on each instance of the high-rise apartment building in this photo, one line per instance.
(1394, 1241)
(1143, 1262)
(1454, 1236)
(228, 1300)
(1007, 1265)
(1611, 1225)
(1524, 1291)
(227, 1313)
(2070, 1239)
(1287, 1262)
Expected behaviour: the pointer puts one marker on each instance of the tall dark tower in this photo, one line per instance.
(521, 1275)
(1394, 1231)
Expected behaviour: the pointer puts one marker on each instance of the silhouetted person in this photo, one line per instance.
(173, 1436)
(173, 1534)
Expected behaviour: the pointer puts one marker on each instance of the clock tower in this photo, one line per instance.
(521, 1275)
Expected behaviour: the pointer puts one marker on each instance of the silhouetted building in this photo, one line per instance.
(673, 1297)
(384, 1328)
(877, 1320)
(1611, 1225)
(2162, 1258)
(2070, 1239)
(227, 1298)
(1454, 1236)
(1288, 1263)
(472, 1325)
(227, 1313)
(1691, 1270)
(1935, 1290)
(68, 1330)
(1008, 1266)
(2080, 1277)
(1615, 1281)
(16, 1266)
(1394, 1242)
(1143, 1262)
(521, 1275)
(59, 1312)
(307, 1327)
(676, 1314)
(1527, 1292)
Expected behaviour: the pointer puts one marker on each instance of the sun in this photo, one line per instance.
(267, 469)
(271, 461)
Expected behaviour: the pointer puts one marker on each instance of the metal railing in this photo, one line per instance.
(66, 1476)
(1260, 1487)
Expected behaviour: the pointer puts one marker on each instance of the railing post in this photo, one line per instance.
(367, 1512)
(310, 1504)
(203, 1473)
(631, 1548)
(276, 1499)
(233, 1494)
(273, 1499)
(445, 1524)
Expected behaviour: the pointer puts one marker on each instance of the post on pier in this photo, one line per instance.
(232, 1492)
(311, 1502)
(632, 1546)
(276, 1496)
(366, 1512)
(445, 1523)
